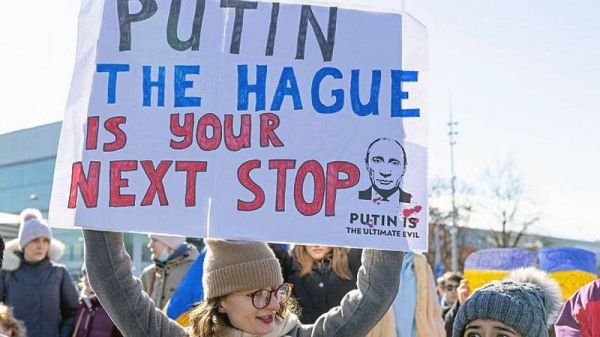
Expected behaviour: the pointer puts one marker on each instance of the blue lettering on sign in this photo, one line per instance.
(148, 84)
(371, 108)
(338, 94)
(283, 89)
(112, 70)
(399, 76)
(182, 84)
(244, 88)
(327, 91)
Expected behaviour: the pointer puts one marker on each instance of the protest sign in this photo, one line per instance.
(495, 264)
(247, 120)
(571, 267)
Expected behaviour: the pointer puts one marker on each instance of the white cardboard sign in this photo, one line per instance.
(247, 120)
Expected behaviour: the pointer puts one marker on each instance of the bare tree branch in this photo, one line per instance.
(506, 189)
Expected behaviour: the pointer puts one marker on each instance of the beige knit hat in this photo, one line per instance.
(232, 266)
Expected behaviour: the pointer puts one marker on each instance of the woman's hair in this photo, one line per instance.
(338, 258)
(206, 320)
(8, 321)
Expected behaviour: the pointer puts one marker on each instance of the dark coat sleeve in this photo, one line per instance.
(449, 318)
(2, 286)
(354, 256)
(69, 304)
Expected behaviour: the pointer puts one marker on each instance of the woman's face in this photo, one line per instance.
(489, 328)
(156, 248)
(37, 249)
(244, 316)
(318, 252)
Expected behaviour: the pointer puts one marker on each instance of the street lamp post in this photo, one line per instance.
(453, 230)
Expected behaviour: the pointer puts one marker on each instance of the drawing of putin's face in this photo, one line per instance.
(386, 163)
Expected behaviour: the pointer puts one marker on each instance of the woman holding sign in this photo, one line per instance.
(244, 293)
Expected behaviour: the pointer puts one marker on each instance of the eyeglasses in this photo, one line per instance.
(450, 288)
(262, 298)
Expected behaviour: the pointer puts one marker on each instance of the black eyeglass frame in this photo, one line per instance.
(271, 292)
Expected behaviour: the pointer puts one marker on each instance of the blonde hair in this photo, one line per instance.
(338, 260)
(206, 320)
(8, 321)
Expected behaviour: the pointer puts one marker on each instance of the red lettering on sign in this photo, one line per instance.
(232, 142)
(91, 142)
(112, 126)
(205, 142)
(314, 168)
(116, 199)
(281, 166)
(87, 185)
(244, 178)
(192, 168)
(334, 182)
(186, 131)
(156, 185)
(268, 123)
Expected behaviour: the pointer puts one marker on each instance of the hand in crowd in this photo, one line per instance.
(463, 291)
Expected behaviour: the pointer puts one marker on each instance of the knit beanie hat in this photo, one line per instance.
(171, 241)
(232, 266)
(31, 229)
(29, 213)
(528, 300)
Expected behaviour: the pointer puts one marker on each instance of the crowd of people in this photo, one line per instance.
(259, 289)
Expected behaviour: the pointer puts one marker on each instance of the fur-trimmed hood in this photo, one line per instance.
(13, 262)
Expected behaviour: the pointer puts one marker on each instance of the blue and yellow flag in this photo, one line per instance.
(188, 293)
(571, 267)
(487, 265)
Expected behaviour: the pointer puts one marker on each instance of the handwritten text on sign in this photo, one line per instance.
(242, 119)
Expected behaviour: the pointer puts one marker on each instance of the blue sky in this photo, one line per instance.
(524, 78)
(525, 84)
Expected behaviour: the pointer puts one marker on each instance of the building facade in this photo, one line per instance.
(27, 159)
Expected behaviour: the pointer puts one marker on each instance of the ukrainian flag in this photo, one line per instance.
(571, 267)
(188, 293)
(486, 265)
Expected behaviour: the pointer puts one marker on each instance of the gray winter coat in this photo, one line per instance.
(109, 269)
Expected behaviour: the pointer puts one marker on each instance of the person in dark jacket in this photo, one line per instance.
(463, 291)
(321, 276)
(448, 290)
(40, 291)
(92, 319)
